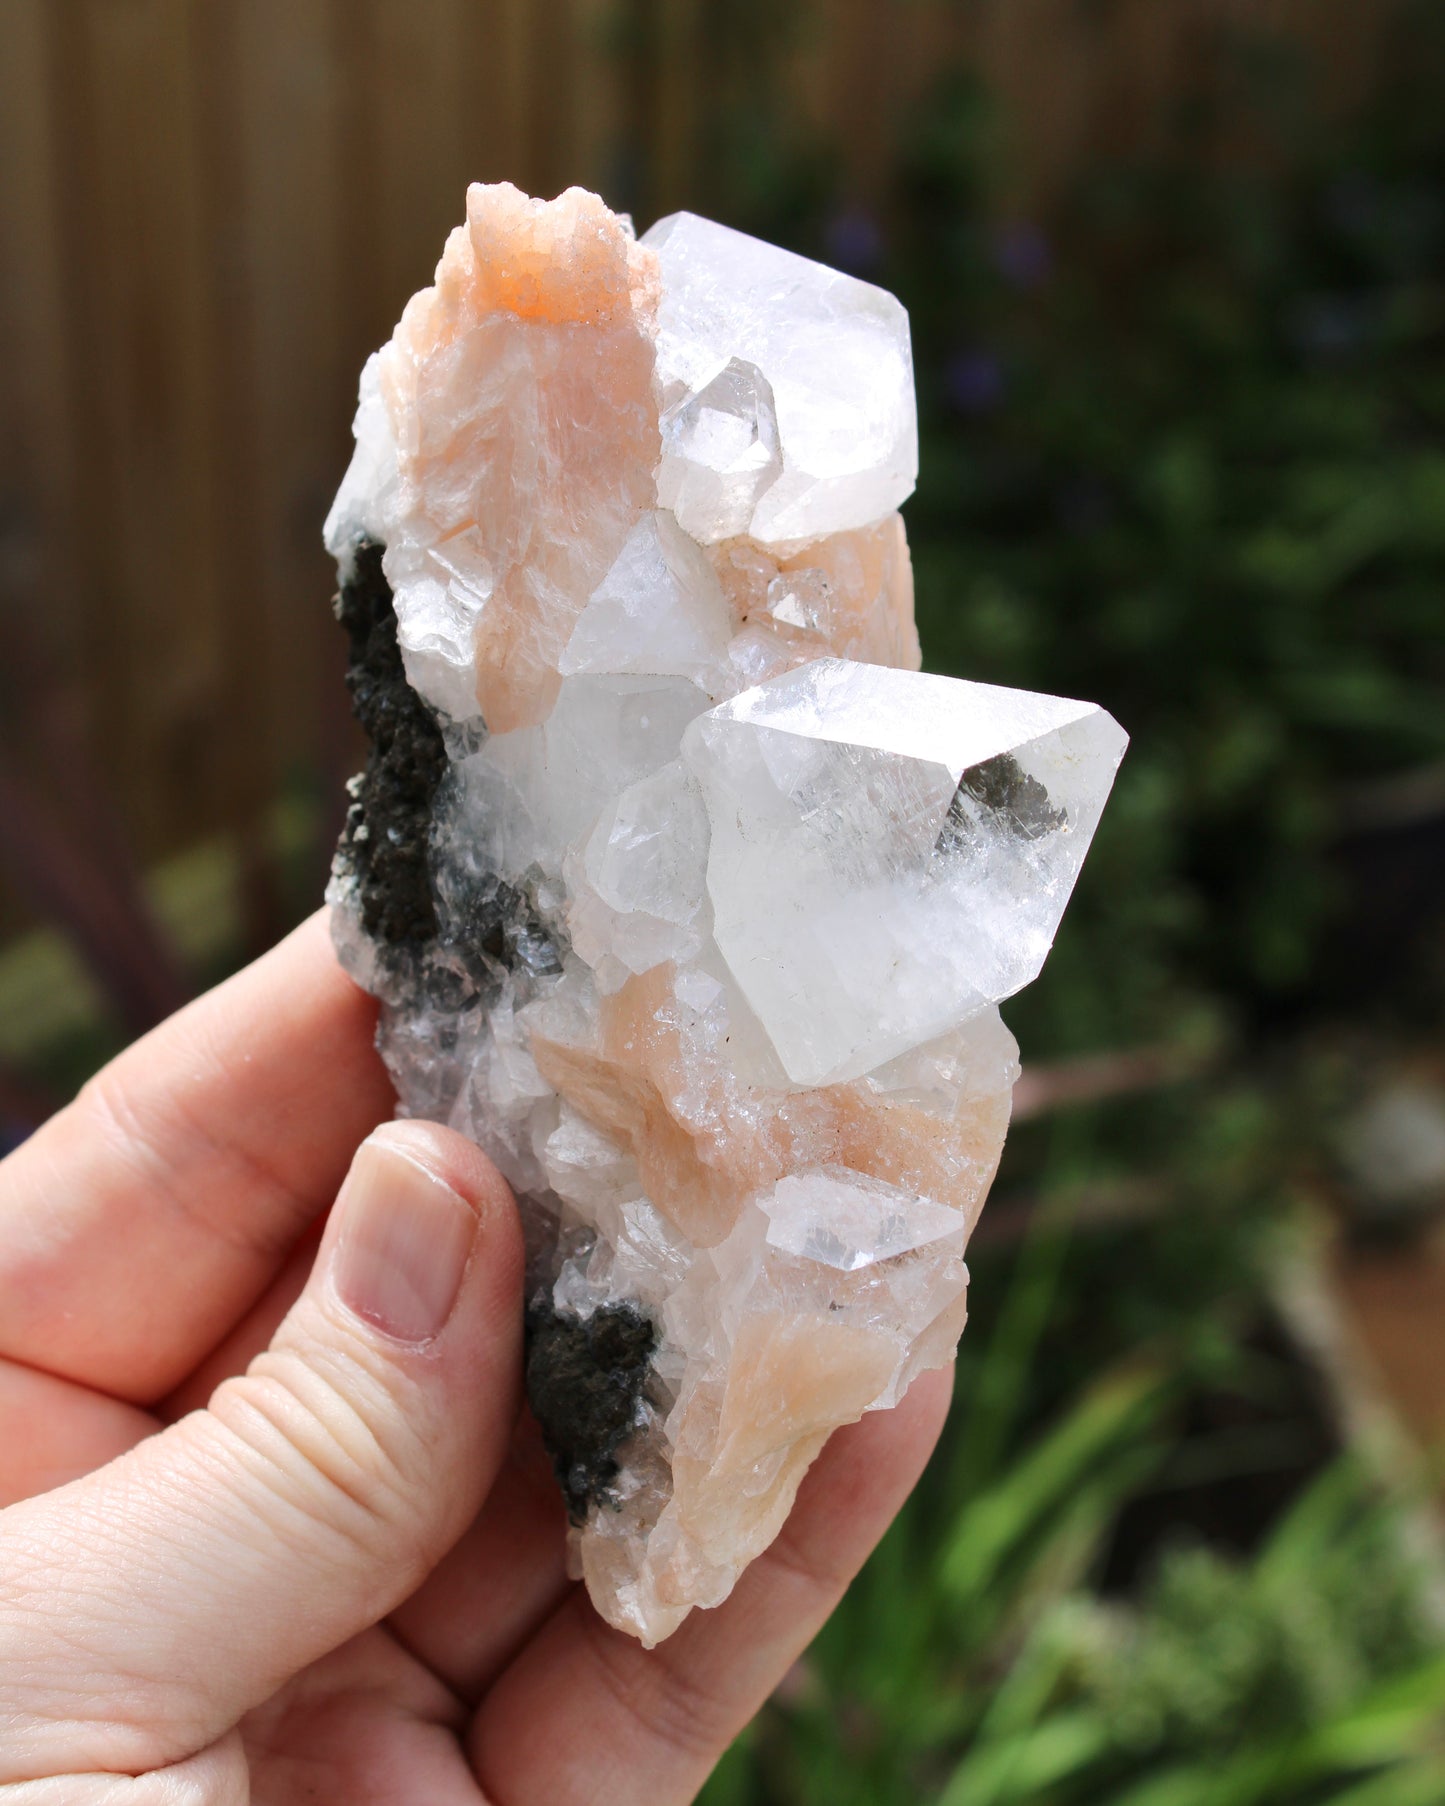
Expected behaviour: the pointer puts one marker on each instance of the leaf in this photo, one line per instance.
(1312, 1527)
(1114, 1415)
(1396, 1719)
(1414, 1784)
(1018, 1768)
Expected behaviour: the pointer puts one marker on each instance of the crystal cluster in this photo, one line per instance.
(686, 894)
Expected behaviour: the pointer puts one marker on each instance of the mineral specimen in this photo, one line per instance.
(686, 894)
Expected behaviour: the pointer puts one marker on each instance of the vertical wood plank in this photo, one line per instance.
(518, 56)
(362, 297)
(135, 270)
(491, 51)
(598, 98)
(678, 82)
(143, 268)
(551, 94)
(39, 614)
(100, 621)
(37, 449)
(258, 740)
(300, 364)
(419, 95)
(308, 339)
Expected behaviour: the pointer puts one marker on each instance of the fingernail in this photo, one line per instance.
(402, 1246)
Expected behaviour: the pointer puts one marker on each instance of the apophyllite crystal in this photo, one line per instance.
(686, 894)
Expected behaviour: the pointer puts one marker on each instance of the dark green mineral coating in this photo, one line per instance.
(1010, 795)
(385, 838)
(585, 1379)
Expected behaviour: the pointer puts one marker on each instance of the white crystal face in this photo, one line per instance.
(833, 350)
(367, 499)
(916, 839)
(686, 897)
(659, 612)
(540, 790)
(638, 891)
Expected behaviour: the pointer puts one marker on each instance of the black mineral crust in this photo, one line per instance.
(501, 925)
(585, 1379)
(384, 842)
(1004, 790)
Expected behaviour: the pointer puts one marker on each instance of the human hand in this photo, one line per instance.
(274, 1529)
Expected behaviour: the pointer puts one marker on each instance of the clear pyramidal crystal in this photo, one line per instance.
(686, 894)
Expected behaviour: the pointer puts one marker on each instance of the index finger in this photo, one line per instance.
(144, 1219)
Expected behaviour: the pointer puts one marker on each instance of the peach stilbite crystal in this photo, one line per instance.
(519, 395)
(686, 894)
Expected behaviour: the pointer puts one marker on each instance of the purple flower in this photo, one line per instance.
(854, 241)
(1022, 255)
(974, 381)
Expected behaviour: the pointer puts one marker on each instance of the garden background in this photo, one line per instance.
(1176, 272)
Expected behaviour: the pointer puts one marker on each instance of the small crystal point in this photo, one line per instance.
(686, 896)
(839, 1220)
(720, 453)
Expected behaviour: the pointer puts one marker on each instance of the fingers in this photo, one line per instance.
(197, 1157)
(503, 1580)
(372, 1722)
(624, 1723)
(217, 1777)
(507, 1573)
(52, 1431)
(145, 1608)
(235, 1353)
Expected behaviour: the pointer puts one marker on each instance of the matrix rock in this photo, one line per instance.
(686, 894)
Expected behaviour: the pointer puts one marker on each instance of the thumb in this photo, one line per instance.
(146, 1607)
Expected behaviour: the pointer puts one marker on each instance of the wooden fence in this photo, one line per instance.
(210, 210)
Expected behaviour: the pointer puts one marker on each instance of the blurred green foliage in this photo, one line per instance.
(1183, 452)
(1277, 1679)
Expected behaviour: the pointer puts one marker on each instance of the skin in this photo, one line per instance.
(254, 1546)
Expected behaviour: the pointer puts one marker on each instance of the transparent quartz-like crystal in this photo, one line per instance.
(720, 452)
(916, 839)
(686, 895)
